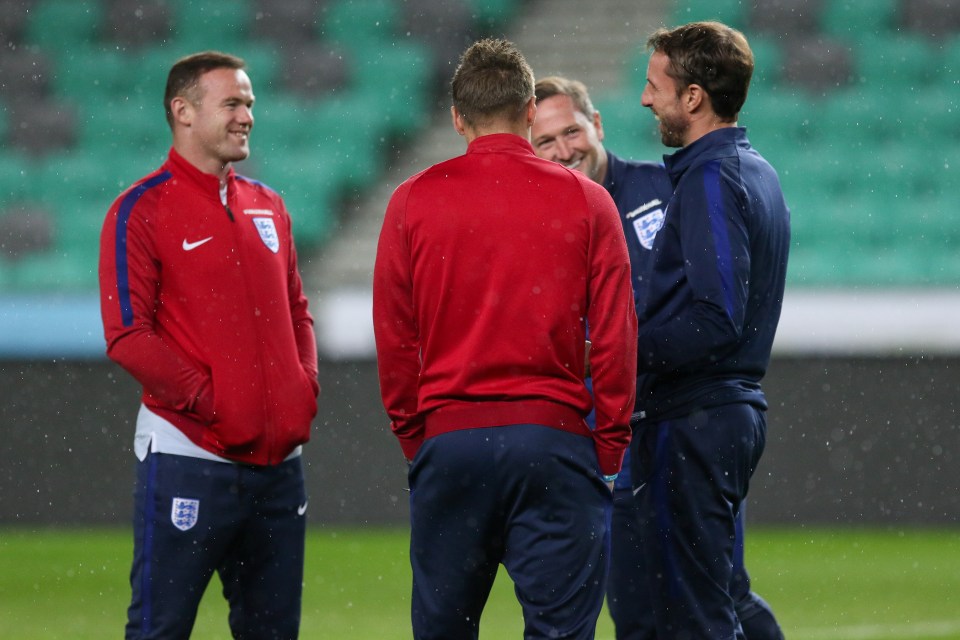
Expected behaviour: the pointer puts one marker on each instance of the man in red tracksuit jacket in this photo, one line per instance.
(202, 303)
(488, 267)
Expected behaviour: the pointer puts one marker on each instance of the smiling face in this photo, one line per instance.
(564, 134)
(215, 120)
(661, 97)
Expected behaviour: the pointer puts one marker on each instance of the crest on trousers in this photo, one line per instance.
(647, 227)
(268, 233)
(184, 513)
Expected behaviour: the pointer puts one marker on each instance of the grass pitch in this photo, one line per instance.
(852, 584)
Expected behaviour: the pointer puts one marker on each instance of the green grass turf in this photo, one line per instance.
(823, 583)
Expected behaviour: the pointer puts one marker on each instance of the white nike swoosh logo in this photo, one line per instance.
(639, 489)
(190, 246)
(302, 509)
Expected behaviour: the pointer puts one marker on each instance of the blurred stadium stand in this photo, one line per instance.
(856, 103)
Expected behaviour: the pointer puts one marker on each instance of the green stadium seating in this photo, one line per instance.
(394, 79)
(780, 117)
(19, 177)
(768, 62)
(222, 25)
(850, 19)
(868, 170)
(731, 12)
(896, 61)
(61, 26)
(359, 24)
(493, 14)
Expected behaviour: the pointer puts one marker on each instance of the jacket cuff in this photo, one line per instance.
(609, 461)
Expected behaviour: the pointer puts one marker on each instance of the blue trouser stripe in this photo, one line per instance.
(149, 516)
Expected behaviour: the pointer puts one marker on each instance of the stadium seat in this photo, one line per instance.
(53, 272)
(851, 19)
(41, 127)
(14, 16)
(859, 117)
(394, 81)
(731, 12)
(930, 18)
(138, 126)
(896, 62)
(136, 24)
(25, 228)
(61, 26)
(443, 26)
(25, 74)
(286, 22)
(315, 69)
(493, 14)
(359, 24)
(819, 64)
(768, 59)
(100, 76)
(784, 17)
(223, 25)
(781, 116)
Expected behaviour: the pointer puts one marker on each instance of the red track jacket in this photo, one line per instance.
(487, 266)
(204, 306)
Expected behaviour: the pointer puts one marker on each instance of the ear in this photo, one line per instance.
(531, 111)
(695, 98)
(182, 111)
(598, 125)
(457, 121)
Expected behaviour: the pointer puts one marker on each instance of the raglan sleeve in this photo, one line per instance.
(395, 327)
(715, 246)
(612, 319)
(129, 274)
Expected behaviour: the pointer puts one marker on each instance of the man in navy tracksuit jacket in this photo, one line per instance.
(569, 130)
(707, 323)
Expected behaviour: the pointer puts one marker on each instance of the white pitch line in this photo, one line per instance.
(905, 631)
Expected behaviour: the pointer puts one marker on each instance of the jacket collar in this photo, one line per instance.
(500, 142)
(206, 182)
(716, 144)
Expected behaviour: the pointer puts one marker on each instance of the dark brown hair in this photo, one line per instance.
(712, 55)
(184, 77)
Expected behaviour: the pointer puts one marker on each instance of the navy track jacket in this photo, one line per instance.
(716, 285)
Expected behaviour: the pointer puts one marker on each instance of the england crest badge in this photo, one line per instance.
(268, 233)
(647, 227)
(184, 513)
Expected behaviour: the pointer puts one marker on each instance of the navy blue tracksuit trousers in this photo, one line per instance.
(526, 496)
(691, 475)
(194, 517)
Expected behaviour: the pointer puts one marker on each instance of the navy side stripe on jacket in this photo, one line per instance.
(123, 216)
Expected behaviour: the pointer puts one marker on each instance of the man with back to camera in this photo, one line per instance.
(707, 326)
(202, 303)
(487, 268)
(569, 130)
